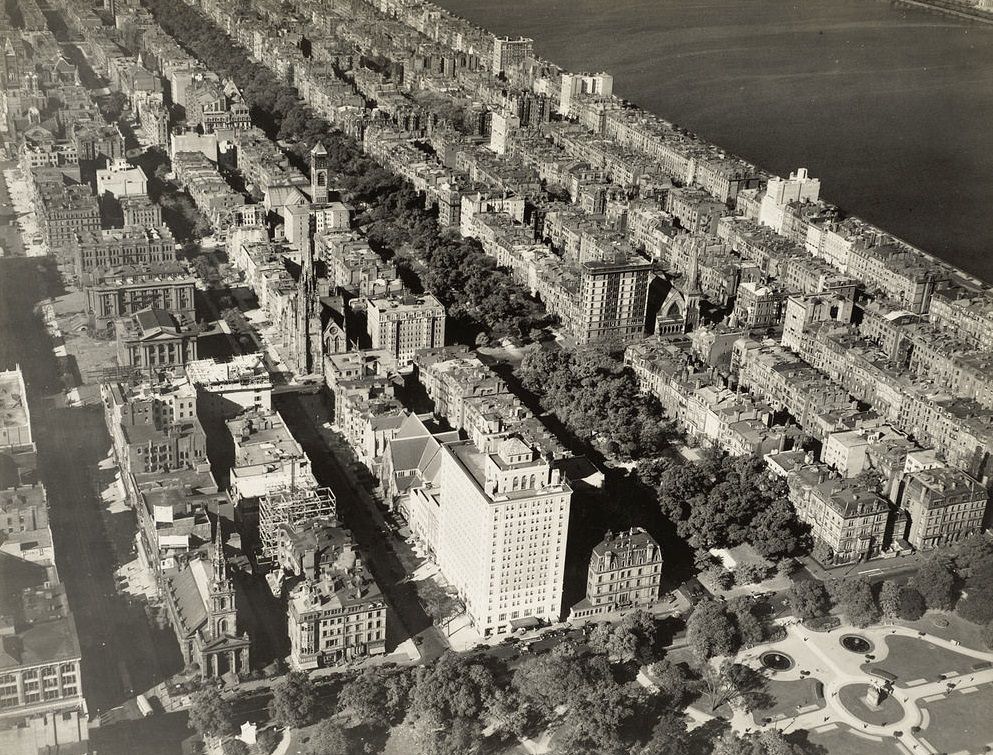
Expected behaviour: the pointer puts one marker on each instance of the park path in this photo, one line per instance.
(821, 654)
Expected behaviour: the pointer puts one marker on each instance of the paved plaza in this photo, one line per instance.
(937, 693)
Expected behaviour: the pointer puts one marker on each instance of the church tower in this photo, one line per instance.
(319, 174)
(222, 616)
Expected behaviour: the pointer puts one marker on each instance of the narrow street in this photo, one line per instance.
(356, 511)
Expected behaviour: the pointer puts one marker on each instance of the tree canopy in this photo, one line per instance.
(711, 630)
(211, 714)
(936, 583)
(854, 595)
(723, 501)
(631, 638)
(808, 599)
(599, 399)
(294, 700)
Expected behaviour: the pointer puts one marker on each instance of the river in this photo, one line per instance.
(891, 107)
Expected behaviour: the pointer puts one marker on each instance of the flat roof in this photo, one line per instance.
(13, 399)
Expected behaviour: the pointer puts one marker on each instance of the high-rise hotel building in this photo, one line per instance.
(502, 521)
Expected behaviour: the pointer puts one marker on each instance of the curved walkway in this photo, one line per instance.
(822, 656)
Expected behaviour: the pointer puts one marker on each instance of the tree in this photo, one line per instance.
(377, 695)
(749, 574)
(650, 471)
(787, 567)
(235, 747)
(723, 501)
(710, 631)
(822, 552)
(977, 606)
(769, 742)
(210, 714)
(808, 599)
(631, 638)
(330, 738)
(594, 724)
(266, 741)
(854, 595)
(889, 599)
(729, 682)
(453, 687)
(558, 678)
(719, 577)
(912, 605)
(973, 552)
(461, 737)
(936, 582)
(988, 635)
(673, 680)
(598, 398)
(750, 628)
(294, 700)
(669, 736)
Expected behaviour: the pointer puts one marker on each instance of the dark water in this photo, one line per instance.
(892, 108)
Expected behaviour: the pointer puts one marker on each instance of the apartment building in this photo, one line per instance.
(336, 611)
(500, 535)
(401, 325)
(625, 571)
(944, 505)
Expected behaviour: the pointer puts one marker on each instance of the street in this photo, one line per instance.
(123, 650)
(356, 510)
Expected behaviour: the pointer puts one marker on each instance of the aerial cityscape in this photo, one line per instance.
(370, 383)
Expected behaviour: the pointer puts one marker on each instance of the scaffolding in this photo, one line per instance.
(290, 504)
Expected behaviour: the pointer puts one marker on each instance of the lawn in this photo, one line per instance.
(785, 698)
(852, 698)
(961, 721)
(843, 741)
(958, 629)
(911, 658)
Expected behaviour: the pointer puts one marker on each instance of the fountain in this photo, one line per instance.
(776, 661)
(856, 643)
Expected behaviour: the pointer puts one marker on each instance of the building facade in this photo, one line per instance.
(625, 572)
(944, 505)
(401, 325)
(112, 293)
(502, 521)
(336, 612)
(153, 339)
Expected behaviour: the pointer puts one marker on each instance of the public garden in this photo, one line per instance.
(882, 689)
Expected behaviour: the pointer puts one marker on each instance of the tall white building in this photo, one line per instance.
(575, 84)
(799, 187)
(401, 325)
(502, 127)
(502, 522)
(510, 53)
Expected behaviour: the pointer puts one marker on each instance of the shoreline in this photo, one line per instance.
(950, 8)
(931, 5)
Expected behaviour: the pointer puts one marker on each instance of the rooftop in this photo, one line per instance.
(13, 399)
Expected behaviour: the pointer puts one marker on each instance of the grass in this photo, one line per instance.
(911, 658)
(958, 629)
(961, 721)
(843, 740)
(786, 697)
(852, 697)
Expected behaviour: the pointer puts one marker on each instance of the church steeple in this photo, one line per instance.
(220, 571)
(222, 615)
(319, 174)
